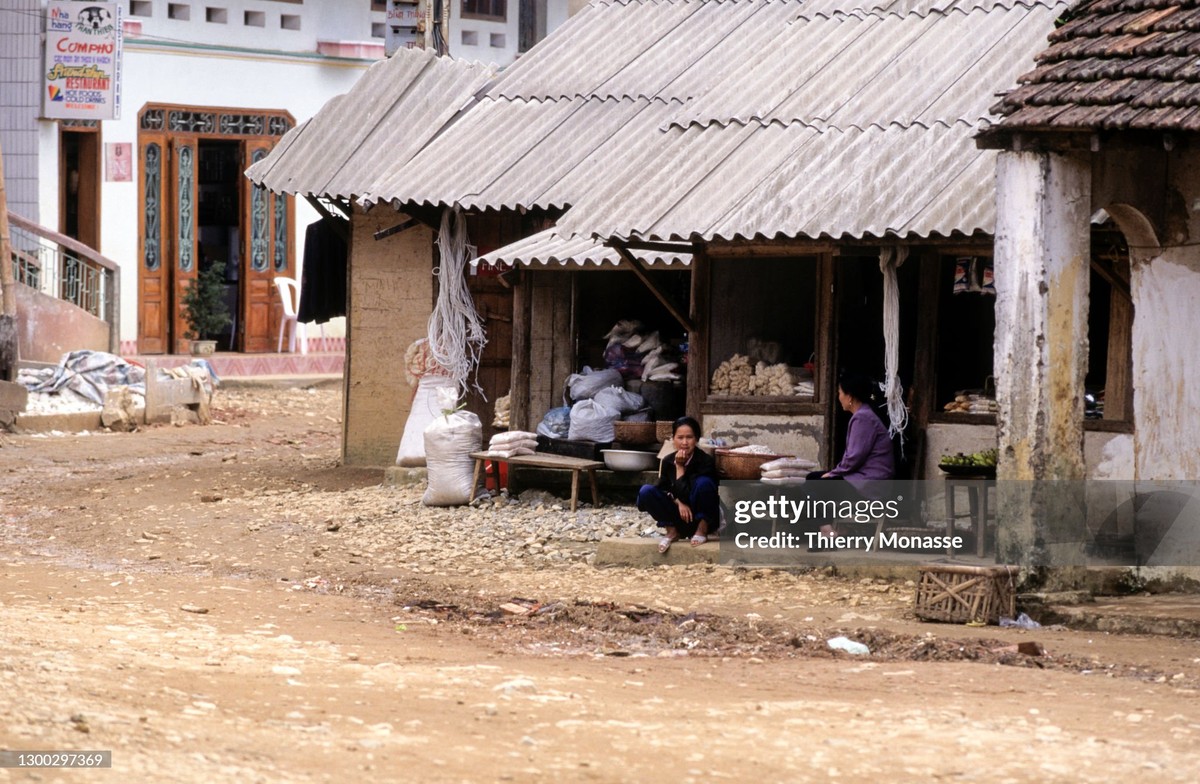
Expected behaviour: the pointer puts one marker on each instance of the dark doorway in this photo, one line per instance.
(219, 215)
(79, 188)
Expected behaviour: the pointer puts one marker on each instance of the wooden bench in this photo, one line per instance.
(573, 464)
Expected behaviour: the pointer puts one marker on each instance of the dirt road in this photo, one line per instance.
(225, 603)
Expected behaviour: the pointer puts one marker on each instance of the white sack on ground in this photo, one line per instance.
(424, 409)
(449, 441)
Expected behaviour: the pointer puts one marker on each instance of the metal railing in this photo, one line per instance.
(66, 269)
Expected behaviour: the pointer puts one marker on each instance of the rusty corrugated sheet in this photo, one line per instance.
(359, 138)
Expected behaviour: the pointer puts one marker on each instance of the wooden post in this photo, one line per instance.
(8, 296)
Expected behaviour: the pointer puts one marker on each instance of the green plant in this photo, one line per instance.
(204, 304)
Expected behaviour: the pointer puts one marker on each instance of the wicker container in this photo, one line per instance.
(962, 594)
(635, 432)
(742, 465)
(663, 430)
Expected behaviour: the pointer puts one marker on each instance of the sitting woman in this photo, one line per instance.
(868, 453)
(684, 501)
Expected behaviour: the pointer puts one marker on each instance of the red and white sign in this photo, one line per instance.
(82, 77)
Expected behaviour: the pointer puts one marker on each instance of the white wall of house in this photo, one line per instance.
(494, 41)
(159, 74)
(192, 62)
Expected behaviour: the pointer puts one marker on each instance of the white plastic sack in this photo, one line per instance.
(502, 439)
(585, 385)
(591, 421)
(449, 441)
(796, 463)
(619, 399)
(424, 410)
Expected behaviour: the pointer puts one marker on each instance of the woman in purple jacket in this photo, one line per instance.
(868, 452)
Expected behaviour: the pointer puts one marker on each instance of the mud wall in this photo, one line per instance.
(391, 299)
(802, 436)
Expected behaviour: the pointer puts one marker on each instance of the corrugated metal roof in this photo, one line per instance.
(548, 248)
(714, 118)
(524, 153)
(358, 138)
(873, 137)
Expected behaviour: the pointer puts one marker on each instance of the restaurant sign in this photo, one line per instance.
(82, 77)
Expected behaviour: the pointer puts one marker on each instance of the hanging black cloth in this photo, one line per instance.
(323, 289)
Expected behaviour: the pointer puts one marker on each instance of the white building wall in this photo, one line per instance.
(20, 89)
(193, 62)
(261, 24)
(155, 73)
(492, 42)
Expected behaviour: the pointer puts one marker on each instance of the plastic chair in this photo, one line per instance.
(289, 295)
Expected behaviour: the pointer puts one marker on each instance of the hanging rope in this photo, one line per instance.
(456, 333)
(890, 260)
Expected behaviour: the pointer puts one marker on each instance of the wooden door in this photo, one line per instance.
(154, 280)
(265, 255)
(185, 197)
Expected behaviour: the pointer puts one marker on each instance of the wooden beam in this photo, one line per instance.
(341, 226)
(698, 371)
(399, 227)
(518, 401)
(8, 297)
(925, 371)
(640, 271)
(1107, 270)
(663, 247)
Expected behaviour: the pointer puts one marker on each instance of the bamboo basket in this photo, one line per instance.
(635, 432)
(962, 594)
(742, 465)
(663, 430)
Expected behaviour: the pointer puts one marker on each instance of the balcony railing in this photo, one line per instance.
(66, 269)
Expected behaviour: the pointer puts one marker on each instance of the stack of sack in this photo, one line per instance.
(787, 469)
(512, 444)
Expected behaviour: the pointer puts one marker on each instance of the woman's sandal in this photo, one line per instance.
(699, 539)
(664, 544)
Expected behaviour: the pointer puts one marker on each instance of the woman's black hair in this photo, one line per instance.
(857, 386)
(686, 420)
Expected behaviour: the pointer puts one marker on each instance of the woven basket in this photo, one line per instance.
(962, 594)
(635, 432)
(663, 430)
(742, 465)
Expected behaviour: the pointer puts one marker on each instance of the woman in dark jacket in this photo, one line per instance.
(684, 500)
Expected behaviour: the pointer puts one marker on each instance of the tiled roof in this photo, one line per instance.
(1114, 65)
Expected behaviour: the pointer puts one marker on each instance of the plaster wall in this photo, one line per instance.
(1165, 287)
(802, 436)
(1109, 456)
(391, 293)
(946, 438)
(48, 327)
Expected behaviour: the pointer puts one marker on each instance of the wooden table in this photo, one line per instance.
(977, 503)
(573, 464)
